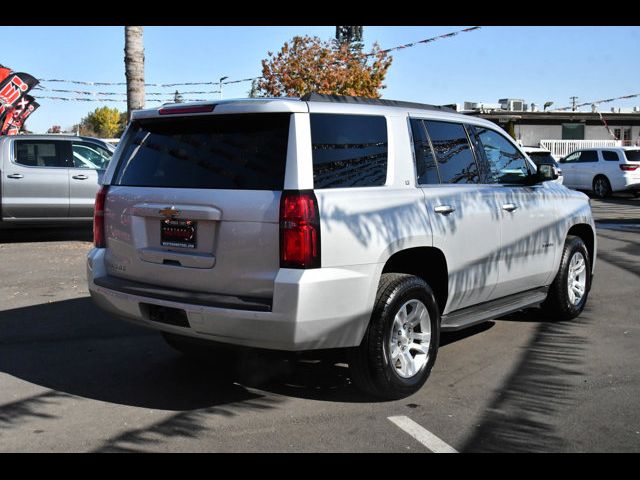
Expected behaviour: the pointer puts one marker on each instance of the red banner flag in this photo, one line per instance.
(4, 72)
(16, 117)
(12, 88)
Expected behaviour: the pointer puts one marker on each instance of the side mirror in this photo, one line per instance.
(547, 172)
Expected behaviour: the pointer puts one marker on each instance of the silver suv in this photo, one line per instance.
(332, 222)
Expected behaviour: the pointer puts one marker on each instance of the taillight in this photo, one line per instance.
(628, 168)
(98, 218)
(299, 230)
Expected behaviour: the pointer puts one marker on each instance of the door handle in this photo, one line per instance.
(444, 209)
(509, 207)
(15, 175)
(80, 177)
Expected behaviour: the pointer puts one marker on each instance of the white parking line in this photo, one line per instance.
(423, 435)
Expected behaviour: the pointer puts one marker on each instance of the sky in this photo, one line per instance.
(537, 64)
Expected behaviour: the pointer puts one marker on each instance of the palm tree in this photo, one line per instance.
(134, 68)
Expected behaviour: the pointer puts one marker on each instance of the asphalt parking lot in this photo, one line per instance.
(72, 379)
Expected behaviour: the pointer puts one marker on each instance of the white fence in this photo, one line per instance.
(562, 148)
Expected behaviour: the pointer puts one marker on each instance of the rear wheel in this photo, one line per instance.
(568, 293)
(601, 186)
(400, 346)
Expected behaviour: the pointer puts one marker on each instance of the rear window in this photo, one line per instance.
(348, 150)
(237, 152)
(632, 155)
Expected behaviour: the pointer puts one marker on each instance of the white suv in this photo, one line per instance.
(603, 170)
(332, 222)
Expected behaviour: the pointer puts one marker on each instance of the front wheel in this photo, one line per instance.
(568, 293)
(400, 346)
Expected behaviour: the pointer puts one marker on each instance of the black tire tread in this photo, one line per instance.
(555, 304)
(607, 193)
(367, 363)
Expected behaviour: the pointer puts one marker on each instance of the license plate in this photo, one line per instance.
(178, 233)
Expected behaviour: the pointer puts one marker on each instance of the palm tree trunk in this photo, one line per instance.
(134, 68)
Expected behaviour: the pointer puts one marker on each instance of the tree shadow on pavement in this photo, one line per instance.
(523, 414)
(73, 348)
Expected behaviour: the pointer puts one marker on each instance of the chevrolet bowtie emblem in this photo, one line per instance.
(169, 212)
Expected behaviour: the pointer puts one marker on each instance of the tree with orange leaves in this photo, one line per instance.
(308, 64)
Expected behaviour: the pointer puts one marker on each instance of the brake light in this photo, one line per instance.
(628, 168)
(98, 218)
(186, 109)
(299, 230)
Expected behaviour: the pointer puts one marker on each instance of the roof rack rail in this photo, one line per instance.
(321, 97)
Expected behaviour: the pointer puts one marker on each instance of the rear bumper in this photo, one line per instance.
(311, 309)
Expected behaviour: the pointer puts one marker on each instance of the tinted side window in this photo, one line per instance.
(426, 167)
(244, 152)
(588, 156)
(89, 155)
(572, 158)
(348, 150)
(456, 162)
(610, 156)
(38, 153)
(506, 163)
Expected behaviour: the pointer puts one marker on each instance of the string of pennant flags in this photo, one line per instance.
(84, 92)
(77, 99)
(597, 102)
(78, 82)
(229, 82)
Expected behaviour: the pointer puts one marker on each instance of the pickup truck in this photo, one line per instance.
(50, 179)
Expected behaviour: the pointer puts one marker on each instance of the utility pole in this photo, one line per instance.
(221, 79)
(573, 103)
(350, 34)
(134, 68)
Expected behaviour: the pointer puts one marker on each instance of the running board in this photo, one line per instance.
(470, 316)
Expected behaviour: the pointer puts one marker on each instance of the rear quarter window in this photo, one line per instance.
(348, 150)
(236, 152)
(610, 156)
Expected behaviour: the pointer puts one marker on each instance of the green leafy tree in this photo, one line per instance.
(308, 64)
(102, 122)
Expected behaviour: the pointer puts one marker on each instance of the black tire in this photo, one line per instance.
(558, 305)
(601, 187)
(370, 365)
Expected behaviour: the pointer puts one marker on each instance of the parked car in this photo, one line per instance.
(542, 156)
(332, 222)
(50, 179)
(603, 170)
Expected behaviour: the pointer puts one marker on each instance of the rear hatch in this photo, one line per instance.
(633, 161)
(193, 204)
